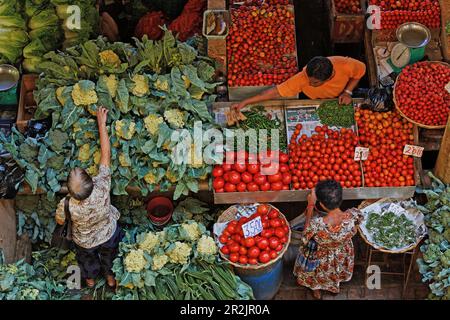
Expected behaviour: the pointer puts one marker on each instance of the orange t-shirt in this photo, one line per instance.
(345, 69)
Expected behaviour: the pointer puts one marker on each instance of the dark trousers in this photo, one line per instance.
(100, 258)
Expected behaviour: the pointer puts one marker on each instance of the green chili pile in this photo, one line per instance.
(331, 113)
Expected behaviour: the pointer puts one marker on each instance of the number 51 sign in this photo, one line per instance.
(252, 228)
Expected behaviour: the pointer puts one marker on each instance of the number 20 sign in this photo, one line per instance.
(252, 228)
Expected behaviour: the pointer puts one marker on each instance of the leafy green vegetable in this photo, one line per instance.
(435, 264)
(331, 113)
(12, 33)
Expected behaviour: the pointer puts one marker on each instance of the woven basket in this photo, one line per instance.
(230, 215)
(400, 111)
(367, 203)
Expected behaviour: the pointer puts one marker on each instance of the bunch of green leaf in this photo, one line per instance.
(390, 230)
(332, 114)
(22, 281)
(44, 31)
(36, 217)
(89, 21)
(132, 212)
(152, 91)
(435, 264)
(194, 209)
(178, 263)
(258, 120)
(42, 159)
(13, 36)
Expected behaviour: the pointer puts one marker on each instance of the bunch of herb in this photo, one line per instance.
(332, 114)
(435, 263)
(194, 209)
(390, 230)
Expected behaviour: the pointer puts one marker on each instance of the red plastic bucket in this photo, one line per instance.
(160, 210)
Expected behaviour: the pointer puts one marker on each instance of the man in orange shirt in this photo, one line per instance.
(322, 78)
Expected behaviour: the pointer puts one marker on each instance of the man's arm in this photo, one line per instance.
(355, 70)
(346, 97)
(269, 94)
(105, 146)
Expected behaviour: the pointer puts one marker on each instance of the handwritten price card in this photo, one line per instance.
(252, 228)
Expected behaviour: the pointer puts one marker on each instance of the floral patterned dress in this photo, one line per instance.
(334, 250)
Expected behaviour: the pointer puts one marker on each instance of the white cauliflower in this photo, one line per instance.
(141, 86)
(159, 261)
(174, 117)
(192, 230)
(180, 253)
(150, 242)
(152, 122)
(206, 245)
(83, 93)
(135, 261)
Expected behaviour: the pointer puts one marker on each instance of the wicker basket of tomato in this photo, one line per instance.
(258, 251)
(420, 95)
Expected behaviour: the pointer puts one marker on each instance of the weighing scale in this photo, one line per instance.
(413, 38)
(9, 77)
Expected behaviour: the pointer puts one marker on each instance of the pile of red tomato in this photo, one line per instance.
(242, 176)
(421, 94)
(327, 154)
(261, 248)
(386, 134)
(348, 6)
(261, 45)
(396, 12)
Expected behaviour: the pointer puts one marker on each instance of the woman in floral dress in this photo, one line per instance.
(332, 234)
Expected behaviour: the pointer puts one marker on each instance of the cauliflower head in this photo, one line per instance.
(92, 170)
(150, 178)
(97, 156)
(83, 153)
(125, 129)
(152, 122)
(192, 230)
(141, 87)
(109, 58)
(112, 84)
(162, 85)
(206, 245)
(174, 117)
(135, 261)
(123, 160)
(83, 93)
(179, 253)
(150, 242)
(159, 261)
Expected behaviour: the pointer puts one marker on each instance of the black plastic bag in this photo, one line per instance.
(11, 176)
(378, 100)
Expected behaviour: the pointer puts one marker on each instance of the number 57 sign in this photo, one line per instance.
(252, 228)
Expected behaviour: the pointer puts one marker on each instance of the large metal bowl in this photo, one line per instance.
(9, 77)
(413, 34)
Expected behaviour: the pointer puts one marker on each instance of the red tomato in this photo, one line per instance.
(229, 187)
(217, 172)
(280, 247)
(284, 168)
(275, 178)
(234, 177)
(241, 187)
(243, 260)
(259, 179)
(239, 167)
(286, 178)
(264, 257)
(279, 232)
(234, 257)
(236, 237)
(284, 240)
(273, 254)
(253, 261)
(218, 183)
(265, 186)
(274, 213)
(263, 244)
(249, 242)
(243, 251)
(262, 209)
(223, 239)
(252, 187)
(226, 167)
(246, 177)
(231, 228)
(253, 168)
(273, 243)
(284, 158)
(276, 186)
(234, 247)
(253, 252)
(274, 223)
(285, 229)
(225, 250)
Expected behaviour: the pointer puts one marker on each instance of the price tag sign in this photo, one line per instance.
(447, 87)
(252, 228)
(395, 208)
(414, 151)
(361, 153)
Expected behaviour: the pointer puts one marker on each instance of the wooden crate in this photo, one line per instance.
(346, 28)
(27, 105)
(445, 37)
